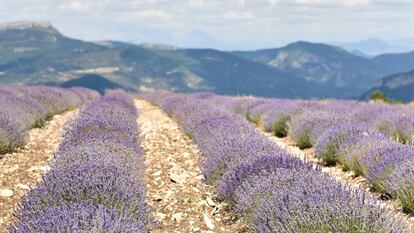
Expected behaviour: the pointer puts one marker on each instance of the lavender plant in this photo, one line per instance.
(23, 108)
(307, 127)
(342, 137)
(380, 161)
(400, 183)
(274, 190)
(95, 183)
(277, 118)
(297, 200)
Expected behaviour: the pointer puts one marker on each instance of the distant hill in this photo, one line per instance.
(91, 81)
(360, 54)
(399, 62)
(31, 54)
(373, 46)
(36, 52)
(396, 87)
(325, 65)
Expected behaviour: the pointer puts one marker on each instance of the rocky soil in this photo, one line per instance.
(180, 200)
(23, 169)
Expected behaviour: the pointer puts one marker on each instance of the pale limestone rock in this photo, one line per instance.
(177, 217)
(23, 186)
(210, 202)
(6, 193)
(39, 169)
(208, 222)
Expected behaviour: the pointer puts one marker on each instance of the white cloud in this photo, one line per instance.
(157, 15)
(335, 2)
(269, 21)
(78, 6)
(203, 3)
(238, 15)
(274, 2)
(240, 2)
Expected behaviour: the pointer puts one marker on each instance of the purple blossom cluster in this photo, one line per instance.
(307, 127)
(25, 107)
(95, 183)
(338, 143)
(374, 140)
(275, 191)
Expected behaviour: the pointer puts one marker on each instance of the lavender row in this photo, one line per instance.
(25, 107)
(275, 191)
(372, 139)
(96, 179)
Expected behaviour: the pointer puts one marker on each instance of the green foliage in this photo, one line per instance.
(406, 196)
(303, 141)
(255, 119)
(329, 158)
(280, 127)
(378, 95)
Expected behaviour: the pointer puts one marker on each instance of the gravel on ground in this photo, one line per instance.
(180, 200)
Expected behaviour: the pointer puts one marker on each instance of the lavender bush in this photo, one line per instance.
(400, 183)
(398, 125)
(277, 118)
(307, 127)
(95, 183)
(25, 107)
(364, 137)
(335, 144)
(297, 200)
(379, 162)
(274, 190)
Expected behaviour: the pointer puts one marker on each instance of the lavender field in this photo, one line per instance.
(23, 108)
(170, 162)
(277, 192)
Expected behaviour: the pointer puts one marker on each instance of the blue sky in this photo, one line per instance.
(224, 24)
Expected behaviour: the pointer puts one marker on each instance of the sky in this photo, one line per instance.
(222, 24)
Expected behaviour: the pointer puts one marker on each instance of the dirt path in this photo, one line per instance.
(23, 169)
(180, 200)
(345, 177)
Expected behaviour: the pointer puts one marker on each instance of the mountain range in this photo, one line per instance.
(37, 53)
(373, 47)
(397, 87)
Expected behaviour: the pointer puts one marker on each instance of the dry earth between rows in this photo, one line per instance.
(180, 200)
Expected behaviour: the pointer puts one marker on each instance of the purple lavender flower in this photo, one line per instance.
(275, 191)
(306, 128)
(95, 182)
(380, 162)
(400, 183)
(278, 117)
(297, 200)
(335, 143)
(23, 108)
(84, 217)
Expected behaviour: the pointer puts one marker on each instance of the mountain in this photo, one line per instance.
(359, 53)
(400, 62)
(36, 53)
(24, 40)
(91, 81)
(324, 65)
(396, 87)
(374, 47)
